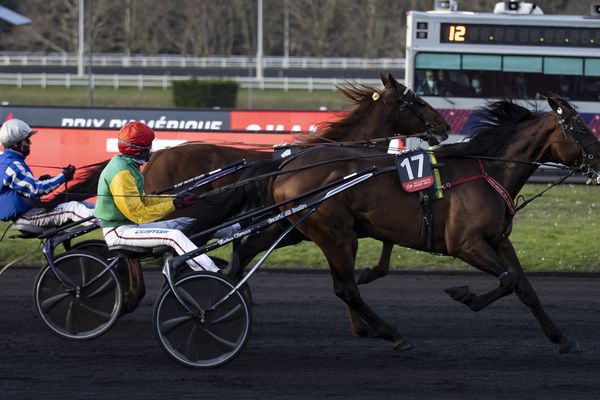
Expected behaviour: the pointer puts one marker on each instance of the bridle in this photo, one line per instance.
(573, 129)
(412, 102)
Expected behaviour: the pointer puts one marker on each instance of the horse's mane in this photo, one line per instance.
(498, 122)
(359, 95)
(84, 187)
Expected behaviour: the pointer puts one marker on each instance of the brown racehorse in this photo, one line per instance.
(395, 110)
(378, 113)
(472, 222)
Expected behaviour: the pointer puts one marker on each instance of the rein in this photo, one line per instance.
(55, 167)
(259, 177)
(527, 201)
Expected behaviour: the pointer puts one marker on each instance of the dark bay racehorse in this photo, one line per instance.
(472, 222)
(395, 110)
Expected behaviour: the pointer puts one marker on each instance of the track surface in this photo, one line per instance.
(301, 347)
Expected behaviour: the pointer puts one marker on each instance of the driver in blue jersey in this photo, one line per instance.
(18, 186)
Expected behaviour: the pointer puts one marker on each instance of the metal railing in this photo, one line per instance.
(117, 81)
(168, 60)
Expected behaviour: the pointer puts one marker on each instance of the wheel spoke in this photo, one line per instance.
(190, 343)
(188, 299)
(71, 323)
(235, 313)
(50, 302)
(84, 270)
(100, 315)
(211, 295)
(64, 278)
(103, 289)
(223, 343)
(167, 326)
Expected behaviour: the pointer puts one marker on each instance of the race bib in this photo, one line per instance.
(414, 170)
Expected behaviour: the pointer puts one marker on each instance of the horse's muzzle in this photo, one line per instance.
(437, 135)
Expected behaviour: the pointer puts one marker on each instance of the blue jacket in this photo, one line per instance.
(17, 184)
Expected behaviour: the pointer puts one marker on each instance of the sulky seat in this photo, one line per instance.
(26, 231)
(138, 252)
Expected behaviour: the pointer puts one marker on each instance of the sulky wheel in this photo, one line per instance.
(85, 307)
(100, 248)
(96, 246)
(206, 338)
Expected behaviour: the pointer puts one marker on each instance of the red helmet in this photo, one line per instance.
(134, 137)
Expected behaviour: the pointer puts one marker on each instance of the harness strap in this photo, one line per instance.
(492, 182)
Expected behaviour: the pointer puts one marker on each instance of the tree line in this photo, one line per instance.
(317, 28)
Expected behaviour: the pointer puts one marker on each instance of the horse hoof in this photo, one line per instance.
(568, 347)
(129, 305)
(401, 345)
(458, 293)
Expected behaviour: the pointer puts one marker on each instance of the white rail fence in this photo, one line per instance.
(163, 61)
(117, 81)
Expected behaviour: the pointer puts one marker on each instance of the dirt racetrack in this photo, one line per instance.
(301, 347)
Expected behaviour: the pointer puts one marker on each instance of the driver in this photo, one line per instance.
(128, 215)
(18, 187)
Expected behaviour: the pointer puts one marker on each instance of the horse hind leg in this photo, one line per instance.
(381, 269)
(137, 289)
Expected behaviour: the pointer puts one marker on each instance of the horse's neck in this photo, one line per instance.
(530, 145)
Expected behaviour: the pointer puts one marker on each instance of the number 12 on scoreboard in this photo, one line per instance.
(457, 33)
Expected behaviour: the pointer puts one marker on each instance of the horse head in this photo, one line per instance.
(580, 146)
(409, 110)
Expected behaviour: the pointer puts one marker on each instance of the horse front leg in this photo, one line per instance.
(528, 296)
(381, 269)
(482, 256)
(137, 289)
(340, 255)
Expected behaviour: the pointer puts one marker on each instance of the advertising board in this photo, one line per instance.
(82, 136)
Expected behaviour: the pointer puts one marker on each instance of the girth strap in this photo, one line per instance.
(492, 182)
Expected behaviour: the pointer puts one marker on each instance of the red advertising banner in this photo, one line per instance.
(295, 121)
(59, 146)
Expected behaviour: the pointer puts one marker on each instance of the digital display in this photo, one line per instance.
(520, 35)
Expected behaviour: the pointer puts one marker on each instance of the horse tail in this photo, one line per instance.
(84, 187)
(252, 193)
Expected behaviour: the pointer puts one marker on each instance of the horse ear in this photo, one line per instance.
(393, 82)
(384, 79)
(553, 103)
